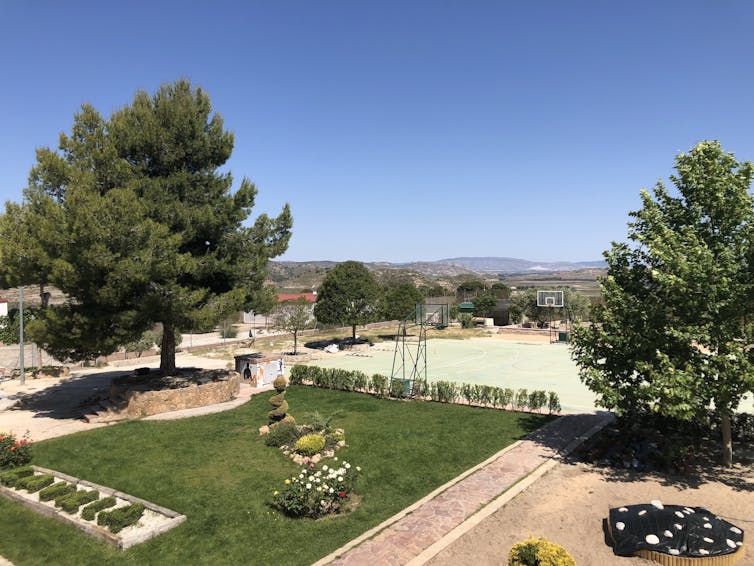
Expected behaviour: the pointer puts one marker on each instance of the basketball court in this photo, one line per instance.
(486, 361)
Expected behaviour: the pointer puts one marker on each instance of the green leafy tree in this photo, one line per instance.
(673, 335)
(484, 304)
(293, 317)
(467, 290)
(132, 220)
(399, 301)
(501, 290)
(349, 295)
(10, 326)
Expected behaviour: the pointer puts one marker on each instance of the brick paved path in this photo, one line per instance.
(406, 536)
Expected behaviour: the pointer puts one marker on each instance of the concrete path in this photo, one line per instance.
(417, 533)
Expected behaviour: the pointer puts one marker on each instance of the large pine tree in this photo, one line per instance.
(133, 221)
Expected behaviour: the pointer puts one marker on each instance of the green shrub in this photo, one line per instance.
(282, 433)
(398, 387)
(447, 392)
(93, 508)
(14, 452)
(553, 403)
(309, 444)
(10, 477)
(298, 374)
(56, 490)
(32, 484)
(120, 518)
(421, 388)
(467, 392)
(537, 400)
(360, 381)
(379, 385)
(522, 399)
(539, 552)
(278, 401)
(71, 502)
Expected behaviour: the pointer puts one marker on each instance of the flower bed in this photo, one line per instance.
(117, 518)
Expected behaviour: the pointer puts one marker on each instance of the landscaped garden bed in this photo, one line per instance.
(218, 471)
(114, 517)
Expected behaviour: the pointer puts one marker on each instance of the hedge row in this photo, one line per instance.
(440, 391)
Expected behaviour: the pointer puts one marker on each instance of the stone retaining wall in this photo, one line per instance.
(143, 403)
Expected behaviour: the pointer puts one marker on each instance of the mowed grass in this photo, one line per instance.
(217, 471)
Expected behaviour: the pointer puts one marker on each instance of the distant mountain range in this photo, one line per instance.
(507, 265)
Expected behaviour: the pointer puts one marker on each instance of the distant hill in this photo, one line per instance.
(509, 265)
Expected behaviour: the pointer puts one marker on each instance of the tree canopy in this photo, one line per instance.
(293, 317)
(349, 295)
(399, 301)
(132, 219)
(674, 334)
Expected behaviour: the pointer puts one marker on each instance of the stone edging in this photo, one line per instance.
(124, 539)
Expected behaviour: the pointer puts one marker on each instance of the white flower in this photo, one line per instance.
(308, 486)
(324, 468)
(319, 488)
(347, 465)
(340, 478)
(331, 490)
(358, 469)
(301, 476)
(336, 458)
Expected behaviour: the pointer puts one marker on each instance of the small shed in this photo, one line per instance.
(259, 371)
(466, 308)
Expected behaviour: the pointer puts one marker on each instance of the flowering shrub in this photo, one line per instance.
(539, 552)
(14, 452)
(317, 492)
(310, 444)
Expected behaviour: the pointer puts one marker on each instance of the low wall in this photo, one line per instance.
(137, 403)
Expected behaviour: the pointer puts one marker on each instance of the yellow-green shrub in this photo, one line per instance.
(539, 552)
(310, 444)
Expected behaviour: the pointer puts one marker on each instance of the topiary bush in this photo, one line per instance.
(33, 484)
(309, 444)
(95, 507)
(71, 502)
(10, 477)
(120, 518)
(539, 552)
(280, 412)
(56, 490)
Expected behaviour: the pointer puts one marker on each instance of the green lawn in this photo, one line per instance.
(217, 471)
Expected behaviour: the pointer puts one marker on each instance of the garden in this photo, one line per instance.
(219, 472)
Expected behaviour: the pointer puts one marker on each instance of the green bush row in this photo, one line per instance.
(120, 518)
(10, 477)
(56, 490)
(441, 391)
(71, 502)
(32, 484)
(95, 507)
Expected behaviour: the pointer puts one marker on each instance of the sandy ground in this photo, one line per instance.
(568, 506)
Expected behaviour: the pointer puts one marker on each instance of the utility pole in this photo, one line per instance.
(21, 333)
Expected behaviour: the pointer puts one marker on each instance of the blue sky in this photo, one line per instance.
(408, 130)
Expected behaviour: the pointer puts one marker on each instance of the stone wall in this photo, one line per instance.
(138, 403)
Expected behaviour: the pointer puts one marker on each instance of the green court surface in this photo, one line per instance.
(488, 362)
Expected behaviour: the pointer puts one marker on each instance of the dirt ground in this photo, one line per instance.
(568, 506)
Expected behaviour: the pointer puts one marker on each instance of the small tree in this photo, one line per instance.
(484, 304)
(293, 317)
(399, 301)
(349, 295)
(674, 333)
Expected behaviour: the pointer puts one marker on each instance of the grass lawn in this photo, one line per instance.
(217, 471)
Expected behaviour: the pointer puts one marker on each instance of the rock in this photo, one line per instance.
(264, 430)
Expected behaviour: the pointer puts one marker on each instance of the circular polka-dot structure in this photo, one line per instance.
(672, 529)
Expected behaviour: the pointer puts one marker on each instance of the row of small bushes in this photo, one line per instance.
(69, 499)
(440, 391)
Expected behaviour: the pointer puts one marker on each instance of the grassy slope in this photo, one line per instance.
(217, 471)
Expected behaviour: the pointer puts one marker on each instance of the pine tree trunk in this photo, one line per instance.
(167, 349)
(353, 332)
(727, 440)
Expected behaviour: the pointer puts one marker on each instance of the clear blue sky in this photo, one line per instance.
(408, 130)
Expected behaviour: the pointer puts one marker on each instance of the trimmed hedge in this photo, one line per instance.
(88, 513)
(120, 518)
(71, 502)
(56, 490)
(32, 484)
(441, 391)
(10, 477)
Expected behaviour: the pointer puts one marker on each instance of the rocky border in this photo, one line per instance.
(156, 519)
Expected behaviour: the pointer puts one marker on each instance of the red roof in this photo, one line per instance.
(284, 297)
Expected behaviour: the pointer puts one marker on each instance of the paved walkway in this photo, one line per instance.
(417, 533)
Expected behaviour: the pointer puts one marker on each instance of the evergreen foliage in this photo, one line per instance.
(133, 221)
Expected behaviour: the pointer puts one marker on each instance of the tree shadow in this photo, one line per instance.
(68, 398)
